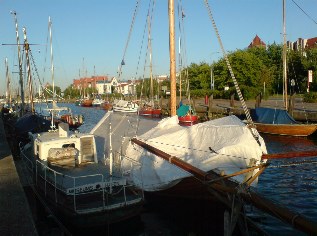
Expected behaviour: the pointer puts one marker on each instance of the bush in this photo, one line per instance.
(310, 97)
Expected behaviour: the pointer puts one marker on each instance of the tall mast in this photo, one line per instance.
(284, 58)
(150, 49)
(20, 62)
(8, 95)
(28, 64)
(180, 69)
(172, 55)
(51, 47)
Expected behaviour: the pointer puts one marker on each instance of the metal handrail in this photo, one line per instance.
(43, 171)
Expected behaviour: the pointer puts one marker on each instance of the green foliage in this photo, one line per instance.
(71, 92)
(255, 69)
(144, 89)
(310, 97)
(199, 76)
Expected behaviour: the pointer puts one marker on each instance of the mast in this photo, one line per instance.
(8, 94)
(20, 62)
(51, 48)
(172, 55)
(284, 58)
(28, 65)
(180, 69)
(151, 71)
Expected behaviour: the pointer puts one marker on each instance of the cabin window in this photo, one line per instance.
(69, 145)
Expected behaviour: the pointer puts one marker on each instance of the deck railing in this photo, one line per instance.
(85, 193)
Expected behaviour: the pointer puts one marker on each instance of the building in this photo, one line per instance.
(106, 86)
(311, 43)
(257, 42)
(127, 88)
(88, 82)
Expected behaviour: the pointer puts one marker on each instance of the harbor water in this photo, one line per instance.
(289, 182)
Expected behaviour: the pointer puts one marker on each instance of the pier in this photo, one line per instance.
(215, 108)
(15, 213)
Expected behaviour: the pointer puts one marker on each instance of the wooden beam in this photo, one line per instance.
(290, 155)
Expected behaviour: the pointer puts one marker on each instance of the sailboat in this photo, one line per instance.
(186, 114)
(70, 173)
(150, 109)
(184, 162)
(78, 176)
(279, 121)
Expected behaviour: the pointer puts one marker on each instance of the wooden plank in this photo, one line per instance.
(290, 155)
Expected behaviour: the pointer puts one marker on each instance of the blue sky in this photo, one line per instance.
(89, 37)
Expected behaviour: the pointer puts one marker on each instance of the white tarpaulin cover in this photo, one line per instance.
(224, 144)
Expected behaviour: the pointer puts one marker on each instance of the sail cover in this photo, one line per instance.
(224, 144)
(183, 110)
(272, 116)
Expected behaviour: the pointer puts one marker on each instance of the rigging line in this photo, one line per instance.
(304, 12)
(129, 36)
(139, 58)
(149, 24)
(183, 52)
(244, 106)
(181, 16)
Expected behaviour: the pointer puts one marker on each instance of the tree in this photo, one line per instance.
(310, 63)
(199, 76)
(71, 92)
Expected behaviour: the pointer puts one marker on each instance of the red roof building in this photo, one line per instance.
(257, 42)
(88, 82)
(311, 43)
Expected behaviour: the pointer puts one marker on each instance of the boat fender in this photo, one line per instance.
(80, 119)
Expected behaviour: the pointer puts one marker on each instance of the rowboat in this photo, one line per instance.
(278, 121)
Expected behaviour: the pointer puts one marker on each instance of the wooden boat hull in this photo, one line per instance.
(150, 112)
(87, 103)
(74, 122)
(287, 129)
(106, 106)
(188, 120)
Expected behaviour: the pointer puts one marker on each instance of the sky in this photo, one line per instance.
(89, 37)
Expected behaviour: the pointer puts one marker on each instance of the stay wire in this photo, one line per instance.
(304, 12)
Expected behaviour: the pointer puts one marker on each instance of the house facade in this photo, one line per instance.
(88, 82)
(106, 86)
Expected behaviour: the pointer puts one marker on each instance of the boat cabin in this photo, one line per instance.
(63, 148)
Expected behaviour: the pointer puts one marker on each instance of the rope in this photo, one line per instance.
(139, 58)
(244, 106)
(129, 35)
(147, 25)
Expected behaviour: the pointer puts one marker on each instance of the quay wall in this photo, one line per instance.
(15, 213)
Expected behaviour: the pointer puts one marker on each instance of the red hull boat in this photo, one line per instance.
(188, 120)
(87, 103)
(150, 112)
